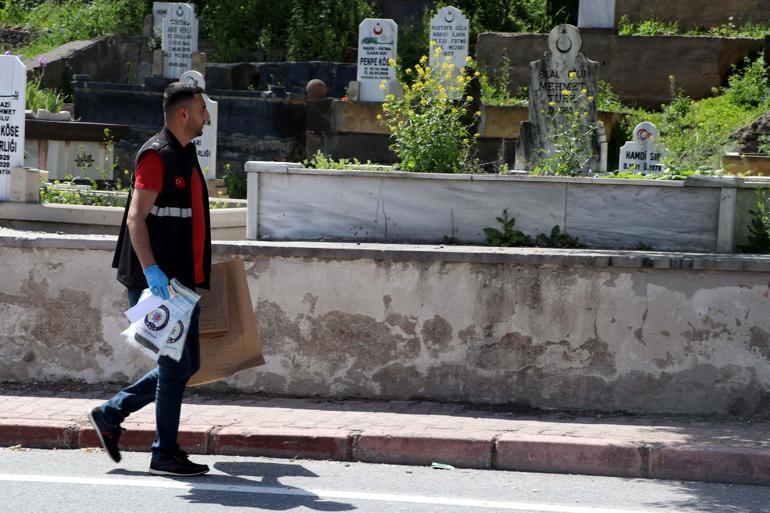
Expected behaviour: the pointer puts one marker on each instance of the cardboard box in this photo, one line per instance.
(214, 317)
(227, 352)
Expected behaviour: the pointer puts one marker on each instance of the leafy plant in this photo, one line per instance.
(649, 27)
(557, 239)
(510, 236)
(427, 122)
(42, 98)
(322, 161)
(759, 226)
(764, 144)
(749, 88)
(235, 182)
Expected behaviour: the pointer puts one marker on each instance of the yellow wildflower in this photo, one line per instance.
(460, 78)
(566, 92)
(572, 75)
(476, 74)
(552, 104)
(466, 141)
(433, 42)
(382, 85)
(423, 59)
(379, 116)
(408, 71)
(469, 98)
(468, 59)
(590, 98)
(392, 62)
(584, 91)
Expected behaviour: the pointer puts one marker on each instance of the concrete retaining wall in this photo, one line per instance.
(637, 67)
(603, 331)
(698, 214)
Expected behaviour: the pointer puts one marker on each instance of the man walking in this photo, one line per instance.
(165, 234)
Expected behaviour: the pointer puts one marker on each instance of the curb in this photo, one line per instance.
(480, 450)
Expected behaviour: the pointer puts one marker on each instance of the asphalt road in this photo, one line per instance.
(86, 481)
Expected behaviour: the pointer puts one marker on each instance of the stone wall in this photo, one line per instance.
(600, 331)
(638, 68)
(695, 13)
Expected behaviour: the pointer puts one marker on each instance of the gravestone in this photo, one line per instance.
(449, 28)
(180, 39)
(159, 10)
(596, 14)
(562, 93)
(206, 144)
(644, 154)
(13, 84)
(377, 42)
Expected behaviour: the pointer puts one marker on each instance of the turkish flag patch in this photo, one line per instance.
(180, 182)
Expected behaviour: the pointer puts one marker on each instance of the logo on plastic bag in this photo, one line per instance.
(176, 332)
(157, 319)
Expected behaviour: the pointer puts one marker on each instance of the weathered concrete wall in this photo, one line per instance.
(641, 332)
(695, 13)
(637, 67)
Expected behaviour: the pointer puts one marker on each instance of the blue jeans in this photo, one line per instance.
(165, 385)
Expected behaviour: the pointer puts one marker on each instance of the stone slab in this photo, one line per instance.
(372, 208)
(565, 454)
(719, 464)
(284, 442)
(662, 218)
(472, 450)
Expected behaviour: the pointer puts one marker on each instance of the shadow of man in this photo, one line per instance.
(236, 489)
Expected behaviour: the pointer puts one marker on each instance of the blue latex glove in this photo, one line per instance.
(157, 282)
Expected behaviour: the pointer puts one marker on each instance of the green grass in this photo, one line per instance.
(655, 27)
(57, 23)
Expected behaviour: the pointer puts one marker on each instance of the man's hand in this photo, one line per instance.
(157, 281)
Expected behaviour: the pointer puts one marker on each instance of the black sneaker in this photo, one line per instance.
(108, 434)
(179, 465)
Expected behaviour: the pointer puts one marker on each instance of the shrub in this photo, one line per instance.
(750, 87)
(59, 22)
(427, 124)
(317, 29)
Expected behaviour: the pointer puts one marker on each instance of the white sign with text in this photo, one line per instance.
(180, 39)
(13, 85)
(643, 154)
(377, 42)
(206, 144)
(449, 28)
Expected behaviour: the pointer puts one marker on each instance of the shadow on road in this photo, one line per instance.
(277, 496)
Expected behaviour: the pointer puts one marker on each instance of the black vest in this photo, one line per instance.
(170, 222)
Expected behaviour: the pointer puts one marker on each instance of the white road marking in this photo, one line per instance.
(152, 482)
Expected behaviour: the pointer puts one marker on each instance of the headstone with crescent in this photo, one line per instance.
(206, 144)
(562, 89)
(644, 154)
(13, 85)
(159, 10)
(449, 28)
(377, 42)
(180, 39)
(596, 14)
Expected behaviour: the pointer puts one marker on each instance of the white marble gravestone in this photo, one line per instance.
(551, 109)
(206, 144)
(449, 28)
(159, 10)
(644, 154)
(13, 85)
(377, 42)
(596, 14)
(180, 39)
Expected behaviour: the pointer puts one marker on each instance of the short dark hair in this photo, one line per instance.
(176, 93)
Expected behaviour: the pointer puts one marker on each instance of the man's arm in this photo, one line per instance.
(142, 202)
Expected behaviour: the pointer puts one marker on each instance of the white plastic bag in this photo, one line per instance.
(160, 327)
